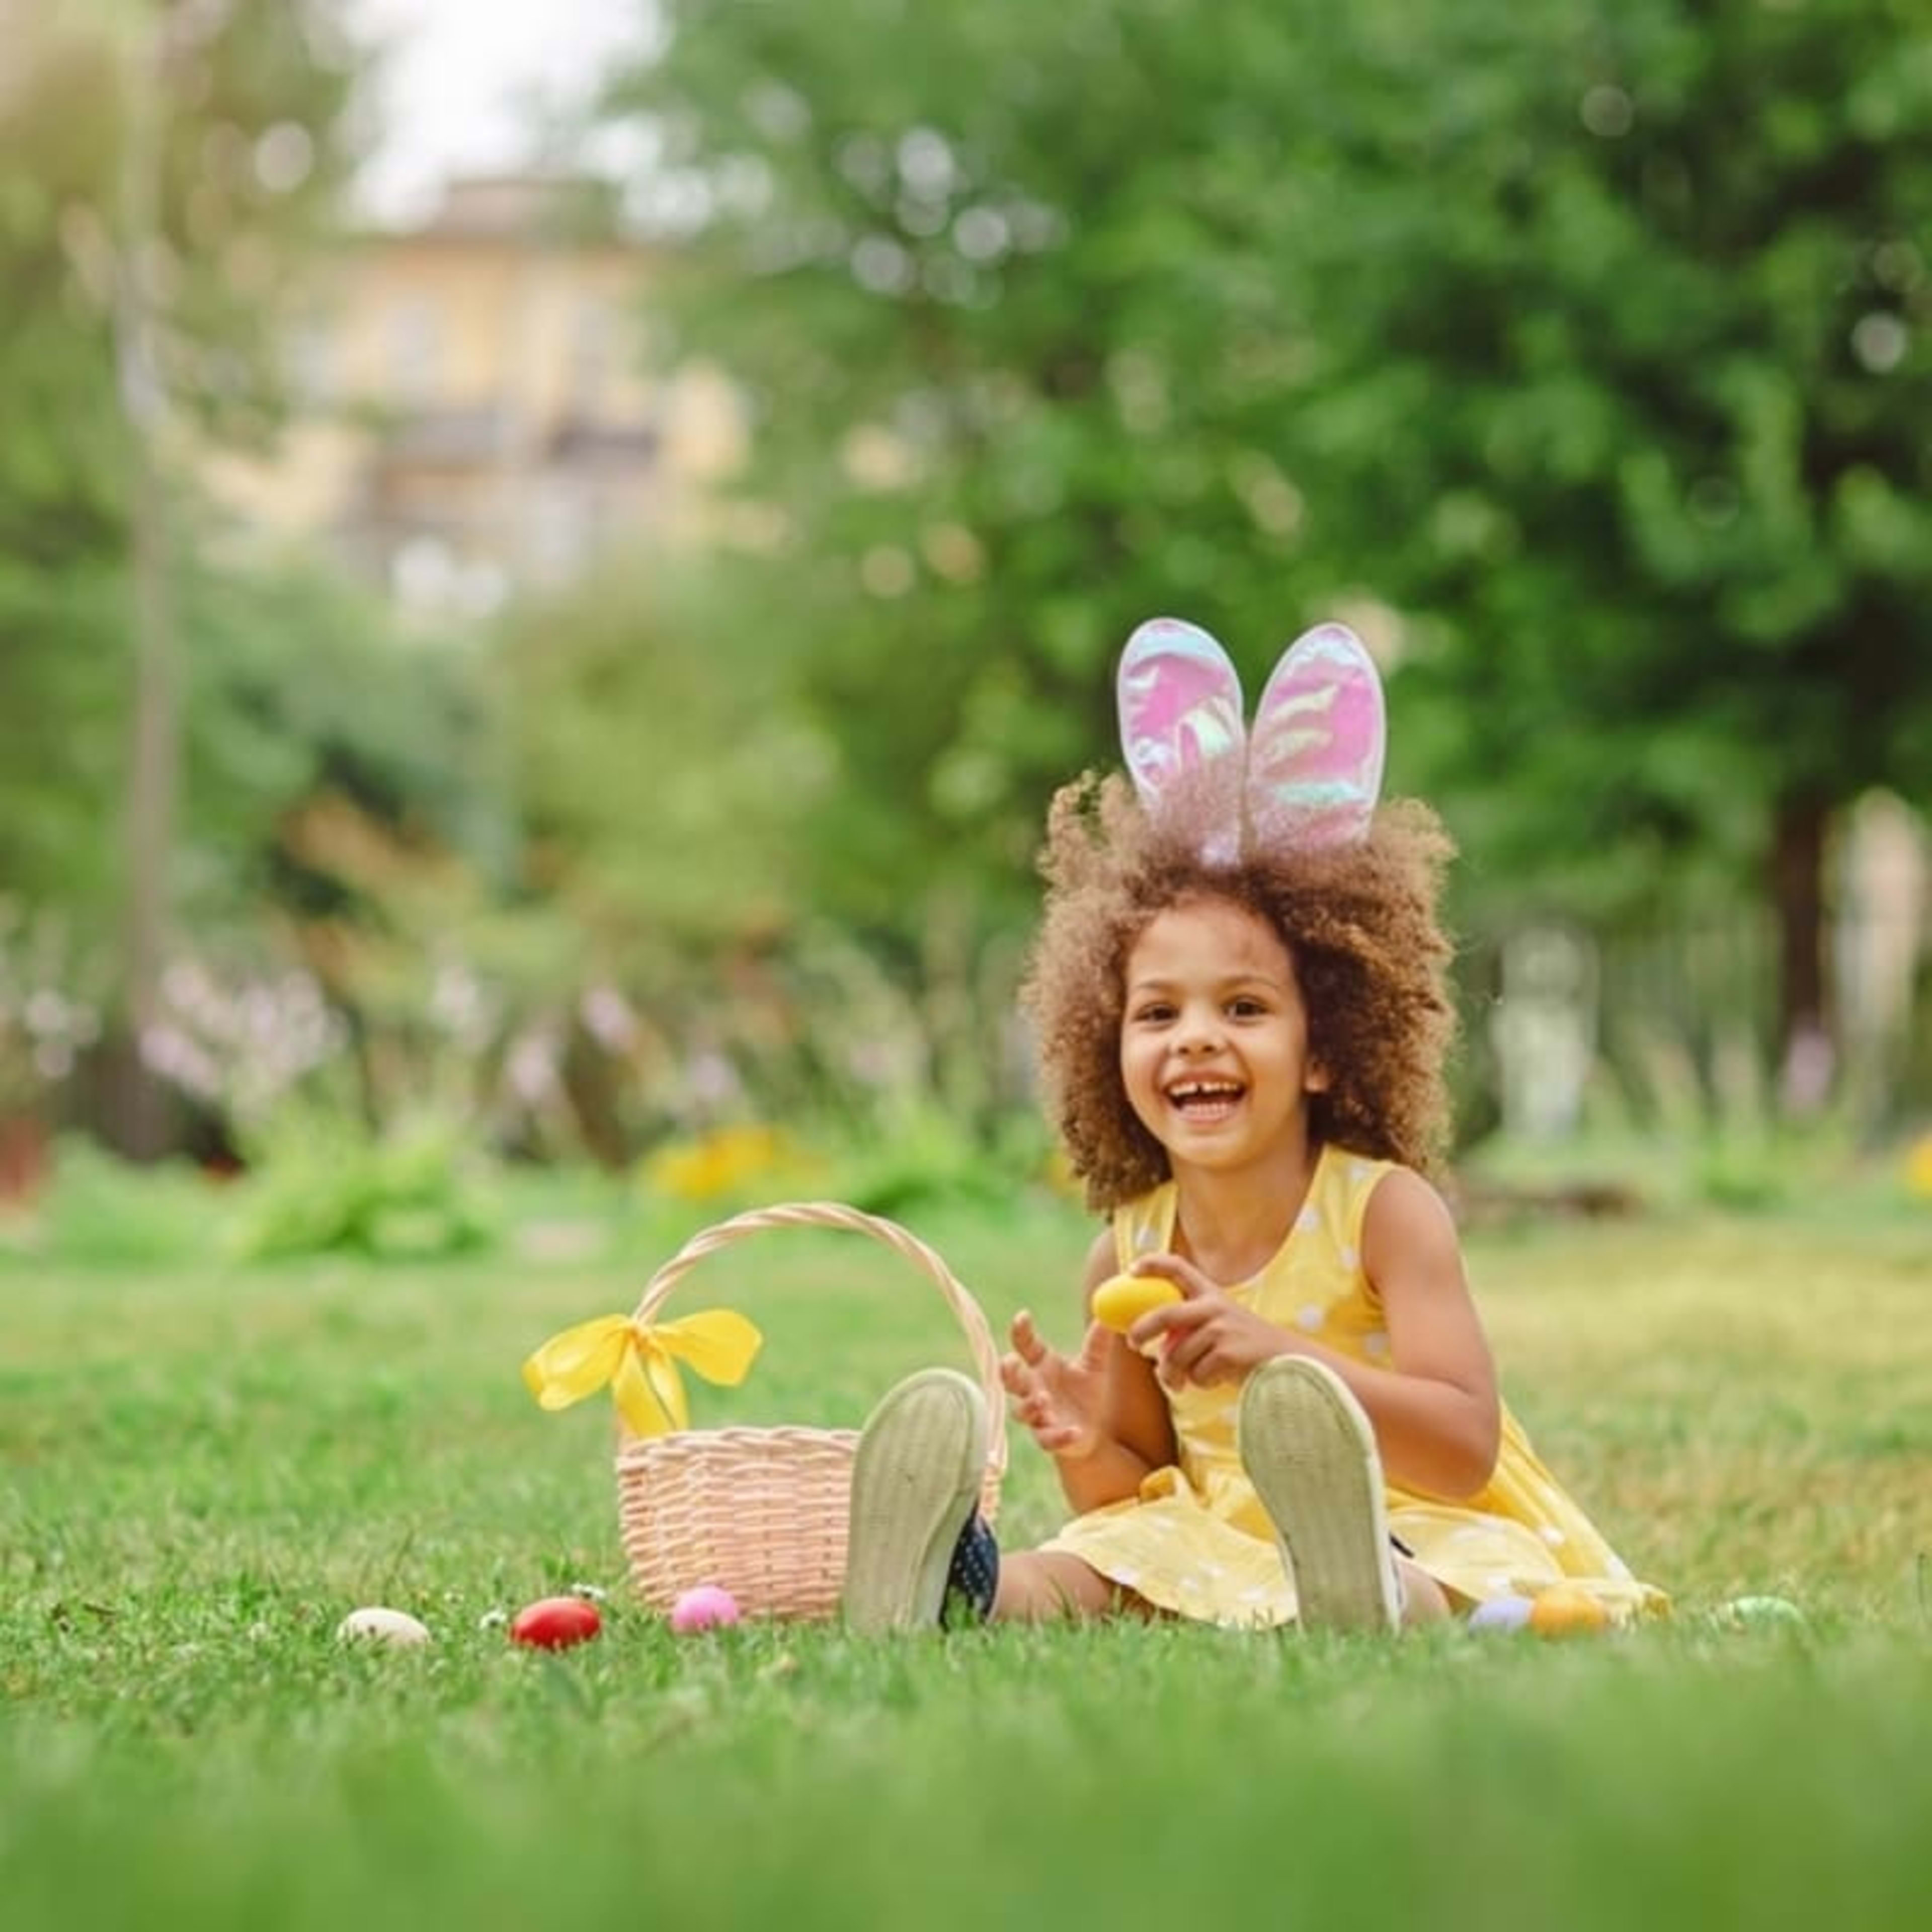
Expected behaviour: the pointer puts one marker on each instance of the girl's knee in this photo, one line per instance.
(1423, 1600)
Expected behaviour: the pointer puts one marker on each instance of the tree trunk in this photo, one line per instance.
(142, 1115)
(1808, 1034)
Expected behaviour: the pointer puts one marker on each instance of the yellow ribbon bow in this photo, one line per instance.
(637, 1359)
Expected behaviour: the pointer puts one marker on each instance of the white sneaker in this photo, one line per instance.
(1310, 1452)
(915, 1481)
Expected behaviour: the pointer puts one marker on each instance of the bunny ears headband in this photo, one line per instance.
(1308, 775)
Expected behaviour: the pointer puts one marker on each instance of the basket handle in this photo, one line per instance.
(834, 1214)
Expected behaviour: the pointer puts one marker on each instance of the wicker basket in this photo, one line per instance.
(763, 1512)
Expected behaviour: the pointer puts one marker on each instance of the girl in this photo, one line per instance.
(1239, 991)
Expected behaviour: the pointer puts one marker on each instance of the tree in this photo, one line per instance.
(166, 163)
(980, 276)
(62, 520)
(1646, 376)
(1589, 342)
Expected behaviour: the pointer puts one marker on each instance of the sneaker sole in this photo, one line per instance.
(915, 1479)
(1309, 1450)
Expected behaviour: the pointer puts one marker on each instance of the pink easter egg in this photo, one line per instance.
(707, 1606)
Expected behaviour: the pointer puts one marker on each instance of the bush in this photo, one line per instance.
(415, 1193)
(96, 1211)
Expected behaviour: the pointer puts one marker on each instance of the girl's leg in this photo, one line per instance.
(1423, 1600)
(1046, 1586)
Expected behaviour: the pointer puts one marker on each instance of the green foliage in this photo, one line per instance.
(1638, 376)
(61, 511)
(933, 1159)
(660, 766)
(416, 1192)
(973, 269)
(185, 155)
(1580, 355)
(678, 803)
(305, 683)
(343, 841)
(98, 1212)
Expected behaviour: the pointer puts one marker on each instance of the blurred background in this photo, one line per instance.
(549, 565)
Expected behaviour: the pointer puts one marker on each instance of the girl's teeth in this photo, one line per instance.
(1206, 1099)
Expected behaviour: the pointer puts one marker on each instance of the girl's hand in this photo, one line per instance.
(1062, 1399)
(1207, 1337)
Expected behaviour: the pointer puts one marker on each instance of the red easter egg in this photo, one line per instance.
(556, 1623)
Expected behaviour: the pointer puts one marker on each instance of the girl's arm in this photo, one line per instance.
(1136, 1425)
(1100, 1414)
(1438, 1419)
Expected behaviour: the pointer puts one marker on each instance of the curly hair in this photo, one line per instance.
(1360, 922)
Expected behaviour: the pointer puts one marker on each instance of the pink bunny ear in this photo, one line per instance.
(1315, 767)
(1180, 727)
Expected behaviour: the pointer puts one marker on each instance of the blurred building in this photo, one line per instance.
(475, 409)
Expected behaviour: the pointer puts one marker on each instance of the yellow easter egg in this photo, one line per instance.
(1121, 1301)
(1567, 1609)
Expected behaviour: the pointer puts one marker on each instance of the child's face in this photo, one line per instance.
(1214, 1037)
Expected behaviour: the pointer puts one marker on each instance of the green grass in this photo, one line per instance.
(204, 1467)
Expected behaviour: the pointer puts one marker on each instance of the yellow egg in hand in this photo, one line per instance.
(1121, 1301)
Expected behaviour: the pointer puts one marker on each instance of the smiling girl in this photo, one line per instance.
(1239, 990)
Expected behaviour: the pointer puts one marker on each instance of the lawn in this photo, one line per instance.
(205, 1465)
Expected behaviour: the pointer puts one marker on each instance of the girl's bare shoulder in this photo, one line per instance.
(1407, 1212)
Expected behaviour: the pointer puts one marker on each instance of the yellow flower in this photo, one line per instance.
(1918, 1168)
(721, 1162)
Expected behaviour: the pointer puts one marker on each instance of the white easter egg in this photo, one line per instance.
(384, 1626)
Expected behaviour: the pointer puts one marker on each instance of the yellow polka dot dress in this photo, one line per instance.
(1196, 1540)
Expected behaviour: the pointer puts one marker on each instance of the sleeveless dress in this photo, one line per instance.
(1196, 1540)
